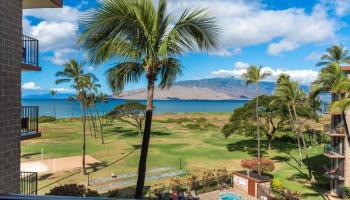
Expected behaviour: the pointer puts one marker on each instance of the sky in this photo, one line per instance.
(283, 36)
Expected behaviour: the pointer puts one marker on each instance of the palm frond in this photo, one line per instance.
(171, 69)
(123, 73)
(339, 106)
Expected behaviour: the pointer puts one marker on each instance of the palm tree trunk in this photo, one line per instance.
(89, 121)
(84, 138)
(304, 145)
(258, 127)
(101, 124)
(298, 139)
(93, 123)
(145, 141)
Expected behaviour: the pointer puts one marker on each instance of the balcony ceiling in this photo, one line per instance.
(29, 4)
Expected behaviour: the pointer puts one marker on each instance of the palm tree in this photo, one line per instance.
(335, 54)
(254, 75)
(94, 97)
(73, 73)
(290, 92)
(147, 41)
(328, 80)
(53, 94)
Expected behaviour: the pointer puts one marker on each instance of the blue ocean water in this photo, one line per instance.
(66, 108)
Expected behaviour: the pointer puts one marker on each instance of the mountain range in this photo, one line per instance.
(202, 89)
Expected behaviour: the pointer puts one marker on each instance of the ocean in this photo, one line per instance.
(65, 109)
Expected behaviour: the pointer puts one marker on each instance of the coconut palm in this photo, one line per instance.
(290, 92)
(147, 41)
(53, 94)
(254, 75)
(94, 97)
(335, 54)
(73, 73)
(329, 77)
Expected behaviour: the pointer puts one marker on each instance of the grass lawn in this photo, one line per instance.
(170, 142)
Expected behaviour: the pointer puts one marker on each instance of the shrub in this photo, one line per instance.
(68, 190)
(266, 164)
(43, 119)
(322, 138)
(346, 192)
(286, 138)
(277, 185)
(91, 193)
(193, 126)
(113, 193)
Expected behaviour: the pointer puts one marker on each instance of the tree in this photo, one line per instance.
(254, 75)
(272, 118)
(73, 73)
(53, 94)
(267, 165)
(131, 112)
(289, 92)
(335, 54)
(148, 41)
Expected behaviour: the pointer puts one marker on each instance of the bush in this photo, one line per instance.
(73, 190)
(91, 193)
(266, 164)
(44, 119)
(346, 192)
(322, 138)
(286, 138)
(68, 190)
(113, 194)
(277, 185)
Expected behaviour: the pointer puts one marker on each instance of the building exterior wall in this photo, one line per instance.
(241, 183)
(347, 153)
(10, 91)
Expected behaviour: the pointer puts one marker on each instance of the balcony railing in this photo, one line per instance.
(332, 152)
(30, 53)
(339, 131)
(335, 173)
(47, 197)
(29, 183)
(29, 122)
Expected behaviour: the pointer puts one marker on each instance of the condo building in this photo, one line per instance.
(338, 151)
(18, 53)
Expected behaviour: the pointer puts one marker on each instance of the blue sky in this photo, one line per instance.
(282, 35)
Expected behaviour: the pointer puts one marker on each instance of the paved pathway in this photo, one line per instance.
(102, 180)
(115, 185)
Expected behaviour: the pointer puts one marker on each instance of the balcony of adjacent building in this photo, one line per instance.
(338, 131)
(28, 183)
(30, 54)
(333, 151)
(29, 122)
(30, 4)
(334, 172)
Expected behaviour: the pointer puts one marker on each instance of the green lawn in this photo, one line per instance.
(170, 142)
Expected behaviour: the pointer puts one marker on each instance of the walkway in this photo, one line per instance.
(104, 184)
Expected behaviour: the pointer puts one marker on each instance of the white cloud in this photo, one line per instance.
(56, 30)
(30, 86)
(90, 68)
(313, 56)
(246, 23)
(60, 56)
(63, 90)
(241, 65)
(305, 76)
(341, 7)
